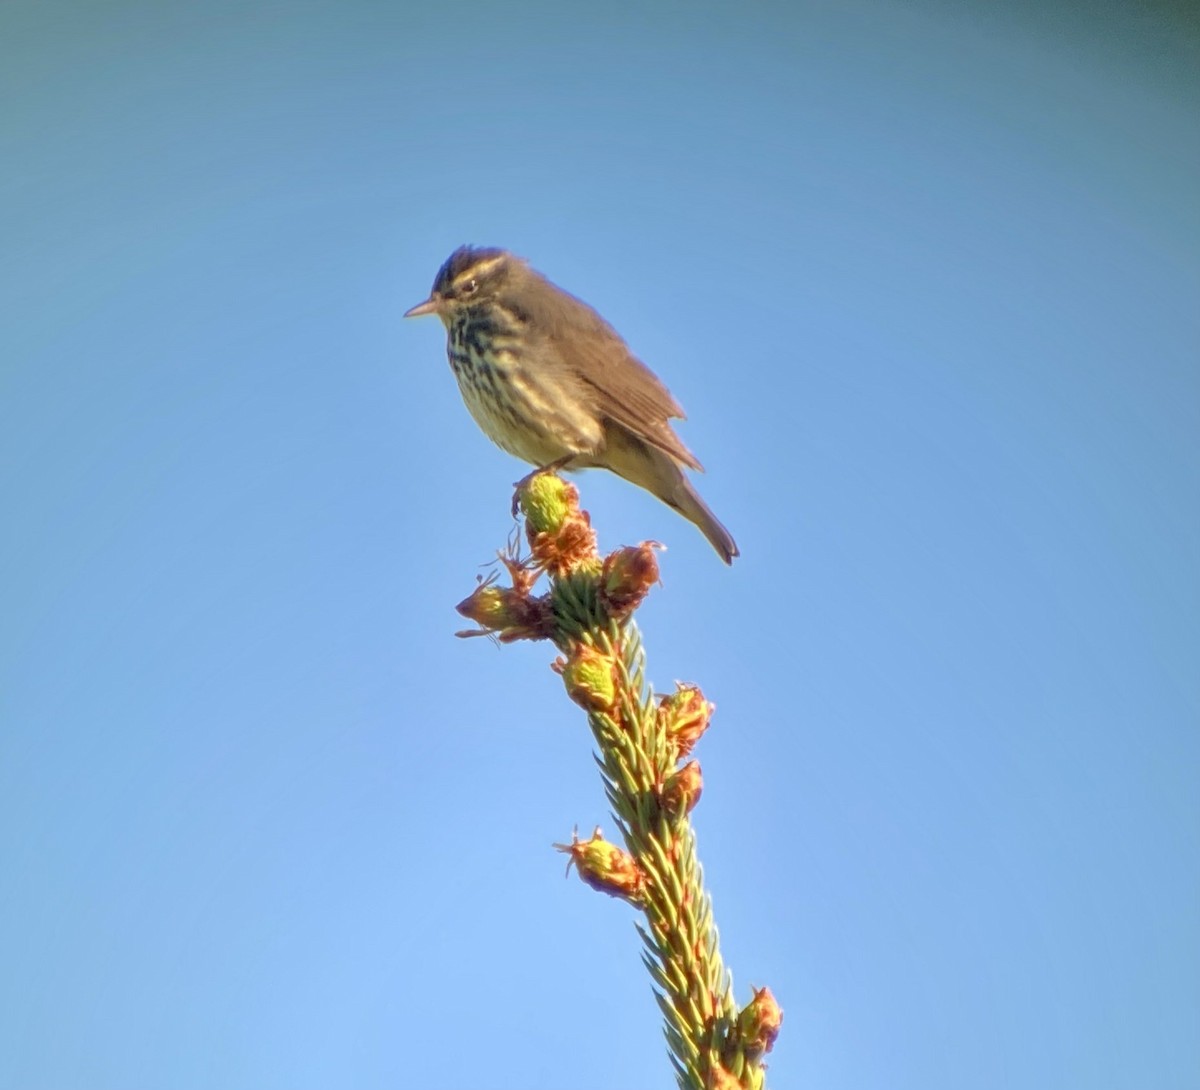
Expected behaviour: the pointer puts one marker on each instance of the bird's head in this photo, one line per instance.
(469, 275)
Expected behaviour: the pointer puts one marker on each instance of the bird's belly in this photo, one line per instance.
(521, 412)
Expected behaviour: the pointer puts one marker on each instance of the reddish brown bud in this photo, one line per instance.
(522, 573)
(721, 1079)
(684, 716)
(589, 677)
(758, 1023)
(627, 577)
(507, 613)
(605, 867)
(682, 790)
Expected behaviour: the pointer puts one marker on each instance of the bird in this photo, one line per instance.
(548, 380)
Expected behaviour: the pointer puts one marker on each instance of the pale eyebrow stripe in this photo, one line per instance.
(481, 268)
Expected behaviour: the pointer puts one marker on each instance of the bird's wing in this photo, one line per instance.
(623, 388)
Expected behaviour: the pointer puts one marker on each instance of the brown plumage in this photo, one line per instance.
(550, 381)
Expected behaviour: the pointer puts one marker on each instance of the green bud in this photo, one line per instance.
(546, 500)
(684, 716)
(758, 1023)
(589, 678)
(605, 867)
(507, 613)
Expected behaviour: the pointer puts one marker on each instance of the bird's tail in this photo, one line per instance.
(686, 500)
(657, 472)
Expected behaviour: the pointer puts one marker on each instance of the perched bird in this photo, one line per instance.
(549, 380)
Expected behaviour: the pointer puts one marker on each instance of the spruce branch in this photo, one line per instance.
(641, 742)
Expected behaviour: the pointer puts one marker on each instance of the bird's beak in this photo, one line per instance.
(430, 306)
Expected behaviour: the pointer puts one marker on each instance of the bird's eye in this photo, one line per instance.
(469, 287)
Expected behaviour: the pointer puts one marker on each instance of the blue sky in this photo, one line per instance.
(925, 279)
